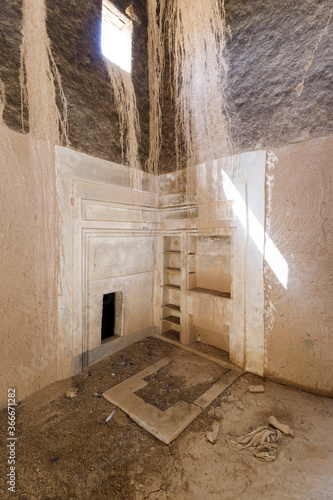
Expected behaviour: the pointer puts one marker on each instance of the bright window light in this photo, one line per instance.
(116, 36)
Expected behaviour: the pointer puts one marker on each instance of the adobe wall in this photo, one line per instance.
(299, 216)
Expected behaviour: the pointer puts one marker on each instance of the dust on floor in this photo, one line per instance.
(65, 450)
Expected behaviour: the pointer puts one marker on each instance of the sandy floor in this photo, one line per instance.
(65, 450)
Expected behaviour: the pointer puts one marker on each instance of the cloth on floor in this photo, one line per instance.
(261, 442)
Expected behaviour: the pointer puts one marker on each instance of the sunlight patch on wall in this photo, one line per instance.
(272, 255)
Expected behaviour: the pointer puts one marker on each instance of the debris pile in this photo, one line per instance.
(263, 442)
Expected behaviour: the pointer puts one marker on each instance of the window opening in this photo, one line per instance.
(116, 36)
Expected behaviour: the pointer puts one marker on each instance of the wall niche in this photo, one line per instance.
(112, 313)
(209, 264)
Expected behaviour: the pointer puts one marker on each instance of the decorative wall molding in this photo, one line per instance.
(112, 228)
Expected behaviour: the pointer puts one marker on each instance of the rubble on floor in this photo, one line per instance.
(263, 442)
(65, 449)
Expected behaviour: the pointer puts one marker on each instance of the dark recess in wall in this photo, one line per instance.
(108, 316)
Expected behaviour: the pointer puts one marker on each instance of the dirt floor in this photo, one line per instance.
(66, 450)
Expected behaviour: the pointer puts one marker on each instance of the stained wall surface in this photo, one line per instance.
(29, 222)
(268, 50)
(10, 40)
(272, 47)
(28, 335)
(74, 29)
(299, 320)
(75, 32)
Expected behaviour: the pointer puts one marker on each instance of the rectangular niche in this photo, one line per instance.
(209, 264)
(112, 313)
(171, 244)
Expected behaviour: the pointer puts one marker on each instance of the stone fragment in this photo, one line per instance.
(72, 392)
(219, 413)
(256, 388)
(282, 427)
(213, 434)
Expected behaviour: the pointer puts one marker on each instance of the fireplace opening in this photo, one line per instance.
(108, 316)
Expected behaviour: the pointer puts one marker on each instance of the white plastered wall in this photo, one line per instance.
(108, 229)
(229, 200)
(112, 222)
